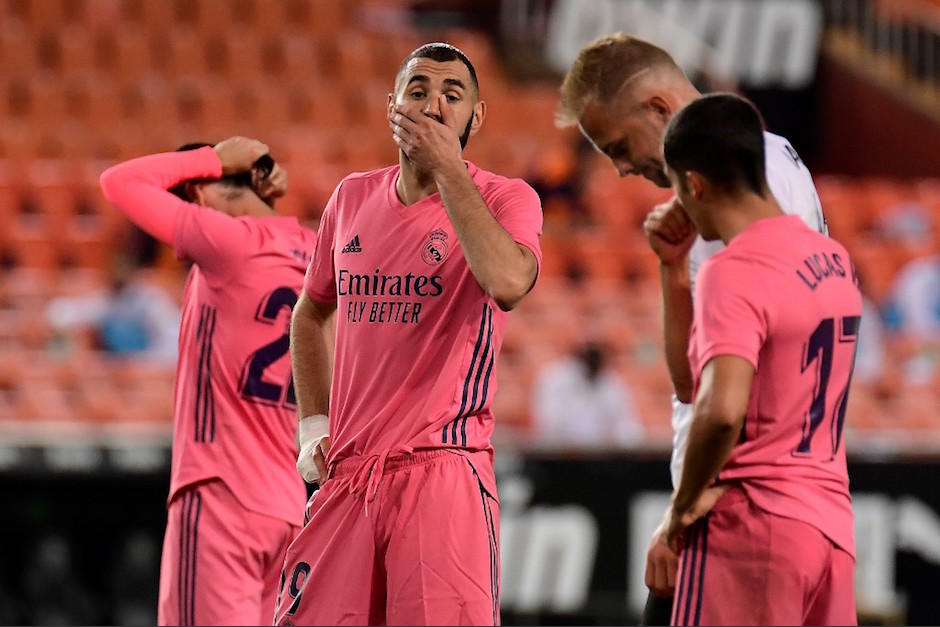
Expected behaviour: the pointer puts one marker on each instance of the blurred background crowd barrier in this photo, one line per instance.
(89, 307)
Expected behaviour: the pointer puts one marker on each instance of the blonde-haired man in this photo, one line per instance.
(621, 92)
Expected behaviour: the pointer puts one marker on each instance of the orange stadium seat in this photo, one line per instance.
(325, 17)
(48, 50)
(79, 50)
(245, 53)
(356, 60)
(186, 49)
(17, 52)
(155, 16)
(132, 58)
(32, 239)
(599, 256)
(44, 387)
(17, 101)
(9, 202)
(47, 103)
(101, 13)
(50, 13)
(261, 17)
(104, 100)
(98, 400)
(300, 56)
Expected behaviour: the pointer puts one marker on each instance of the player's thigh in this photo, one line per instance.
(329, 574)
(834, 603)
(277, 535)
(208, 575)
(737, 568)
(168, 604)
(443, 551)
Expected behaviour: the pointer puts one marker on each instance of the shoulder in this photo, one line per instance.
(732, 265)
(783, 163)
(360, 183)
(494, 184)
(369, 177)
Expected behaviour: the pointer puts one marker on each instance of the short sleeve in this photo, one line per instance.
(731, 311)
(517, 208)
(320, 280)
(214, 240)
(792, 186)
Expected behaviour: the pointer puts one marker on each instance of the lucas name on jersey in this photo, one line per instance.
(377, 310)
(820, 266)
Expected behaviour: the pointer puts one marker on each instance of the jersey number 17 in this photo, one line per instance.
(821, 347)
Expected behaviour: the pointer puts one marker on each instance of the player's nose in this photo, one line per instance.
(433, 109)
(624, 168)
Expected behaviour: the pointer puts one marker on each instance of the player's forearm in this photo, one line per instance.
(311, 346)
(502, 267)
(139, 187)
(677, 324)
(711, 440)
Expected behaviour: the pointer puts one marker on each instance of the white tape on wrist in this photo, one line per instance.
(310, 431)
(313, 428)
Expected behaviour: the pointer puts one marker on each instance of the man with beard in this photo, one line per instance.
(419, 263)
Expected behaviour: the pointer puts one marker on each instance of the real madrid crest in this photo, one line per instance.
(435, 248)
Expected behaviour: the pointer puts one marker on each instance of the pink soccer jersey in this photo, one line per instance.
(786, 298)
(234, 413)
(416, 336)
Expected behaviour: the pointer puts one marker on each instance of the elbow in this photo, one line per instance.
(109, 181)
(505, 303)
(508, 294)
(723, 420)
(683, 390)
(303, 315)
(509, 289)
(307, 314)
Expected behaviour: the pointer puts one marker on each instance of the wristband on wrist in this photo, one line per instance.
(314, 427)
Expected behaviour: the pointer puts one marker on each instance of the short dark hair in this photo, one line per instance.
(440, 52)
(240, 180)
(721, 136)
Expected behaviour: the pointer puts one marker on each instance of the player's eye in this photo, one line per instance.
(619, 150)
(453, 98)
(417, 94)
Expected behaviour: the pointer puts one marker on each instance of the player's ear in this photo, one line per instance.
(658, 106)
(696, 184)
(479, 114)
(194, 193)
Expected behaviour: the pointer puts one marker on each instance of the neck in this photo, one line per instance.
(254, 208)
(412, 184)
(742, 211)
(263, 212)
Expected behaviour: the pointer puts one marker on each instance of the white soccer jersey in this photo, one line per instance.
(792, 185)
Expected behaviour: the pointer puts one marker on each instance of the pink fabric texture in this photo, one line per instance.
(785, 298)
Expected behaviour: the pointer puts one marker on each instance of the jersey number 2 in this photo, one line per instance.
(821, 346)
(253, 385)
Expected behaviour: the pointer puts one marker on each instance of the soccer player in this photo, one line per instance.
(420, 263)
(772, 349)
(621, 92)
(235, 498)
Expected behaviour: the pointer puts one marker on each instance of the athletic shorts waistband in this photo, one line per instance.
(350, 465)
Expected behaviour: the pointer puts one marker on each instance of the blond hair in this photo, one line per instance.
(601, 69)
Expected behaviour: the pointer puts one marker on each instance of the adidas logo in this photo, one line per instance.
(353, 246)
